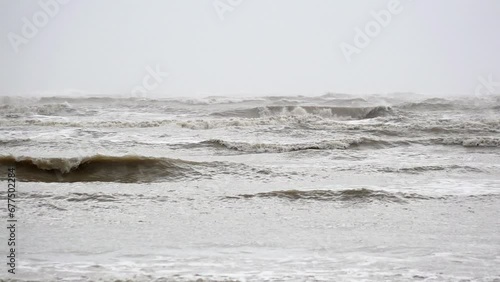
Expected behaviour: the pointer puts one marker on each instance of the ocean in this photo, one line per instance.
(393, 187)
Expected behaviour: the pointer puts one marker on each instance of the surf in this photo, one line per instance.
(100, 168)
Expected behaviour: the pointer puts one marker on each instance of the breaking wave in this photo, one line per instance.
(280, 148)
(440, 104)
(326, 112)
(468, 142)
(423, 106)
(126, 169)
(58, 109)
(343, 144)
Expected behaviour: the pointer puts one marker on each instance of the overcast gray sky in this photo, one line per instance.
(247, 47)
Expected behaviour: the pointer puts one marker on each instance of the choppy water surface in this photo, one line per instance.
(330, 188)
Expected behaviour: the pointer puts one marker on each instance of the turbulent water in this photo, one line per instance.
(329, 188)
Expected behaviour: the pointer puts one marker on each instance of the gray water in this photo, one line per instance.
(330, 188)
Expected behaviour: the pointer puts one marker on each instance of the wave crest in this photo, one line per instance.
(127, 169)
(59, 109)
(325, 112)
(281, 148)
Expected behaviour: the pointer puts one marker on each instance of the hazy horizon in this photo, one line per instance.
(247, 48)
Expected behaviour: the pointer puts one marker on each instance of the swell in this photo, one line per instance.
(55, 109)
(343, 144)
(423, 106)
(407, 127)
(131, 100)
(484, 141)
(348, 195)
(95, 124)
(326, 112)
(432, 104)
(125, 169)
(281, 148)
(65, 202)
(430, 168)
(439, 104)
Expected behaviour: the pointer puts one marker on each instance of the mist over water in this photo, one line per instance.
(233, 140)
(242, 48)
